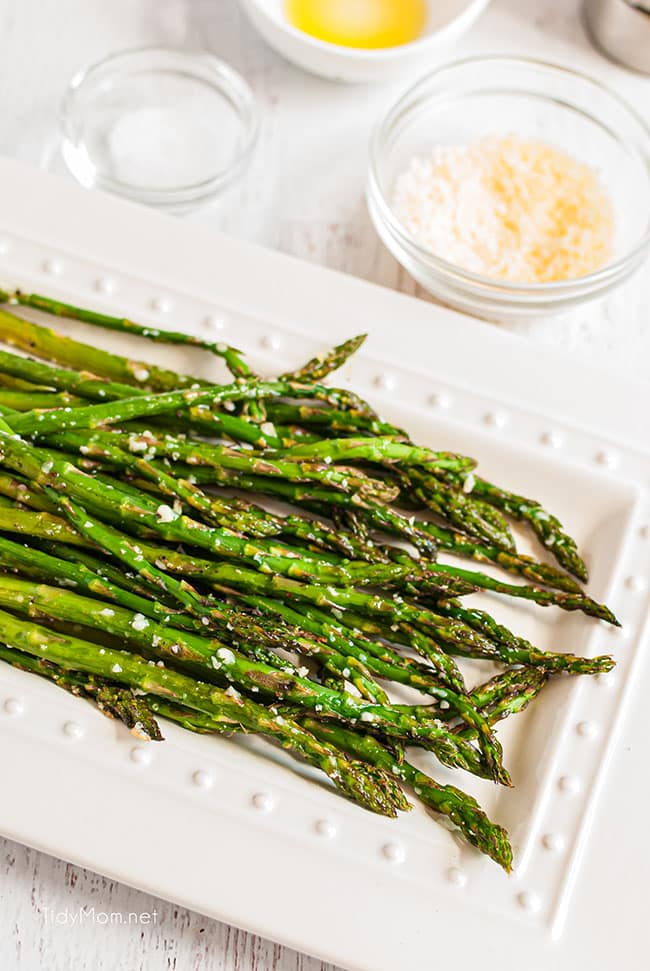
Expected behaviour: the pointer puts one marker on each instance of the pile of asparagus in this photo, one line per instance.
(142, 568)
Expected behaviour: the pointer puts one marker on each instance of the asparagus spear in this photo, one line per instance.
(511, 705)
(111, 699)
(84, 385)
(47, 469)
(509, 683)
(517, 563)
(545, 598)
(15, 384)
(459, 640)
(346, 422)
(323, 364)
(463, 511)
(38, 524)
(186, 649)
(52, 346)
(546, 527)
(29, 400)
(103, 445)
(447, 800)
(81, 384)
(230, 355)
(44, 342)
(386, 519)
(225, 577)
(371, 788)
(382, 450)
(315, 369)
(164, 403)
(462, 809)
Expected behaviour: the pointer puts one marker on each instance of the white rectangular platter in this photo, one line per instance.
(217, 827)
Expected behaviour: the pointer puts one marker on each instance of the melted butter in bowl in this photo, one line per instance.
(369, 24)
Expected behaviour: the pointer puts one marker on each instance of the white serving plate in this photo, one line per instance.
(213, 825)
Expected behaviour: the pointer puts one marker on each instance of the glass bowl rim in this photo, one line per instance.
(225, 79)
(407, 101)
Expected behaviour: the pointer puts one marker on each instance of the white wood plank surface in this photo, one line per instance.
(303, 194)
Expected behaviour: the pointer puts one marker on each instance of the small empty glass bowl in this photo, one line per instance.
(490, 96)
(166, 128)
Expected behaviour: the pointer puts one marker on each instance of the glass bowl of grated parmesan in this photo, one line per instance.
(509, 187)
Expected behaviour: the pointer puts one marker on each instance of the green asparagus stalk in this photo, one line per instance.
(333, 421)
(373, 790)
(517, 563)
(447, 800)
(111, 699)
(463, 511)
(507, 706)
(228, 578)
(29, 400)
(47, 469)
(509, 683)
(546, 527)
(545, 598)
(386, 664)
(81, 384)
(84, 385)
(184, 648)
(323, 364)
(113, 447)
(16, 384)
(47, 343)
(230, 355)
(199, 453)
(52, 346)
(382, 450)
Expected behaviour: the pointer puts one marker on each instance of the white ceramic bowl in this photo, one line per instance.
(446, 21)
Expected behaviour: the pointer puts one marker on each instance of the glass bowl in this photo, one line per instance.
(167, 128)
(486, 96)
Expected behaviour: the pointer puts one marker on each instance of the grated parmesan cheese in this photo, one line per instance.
(165, 513)
(508, 208)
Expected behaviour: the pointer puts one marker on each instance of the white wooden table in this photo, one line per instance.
(304, 195)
